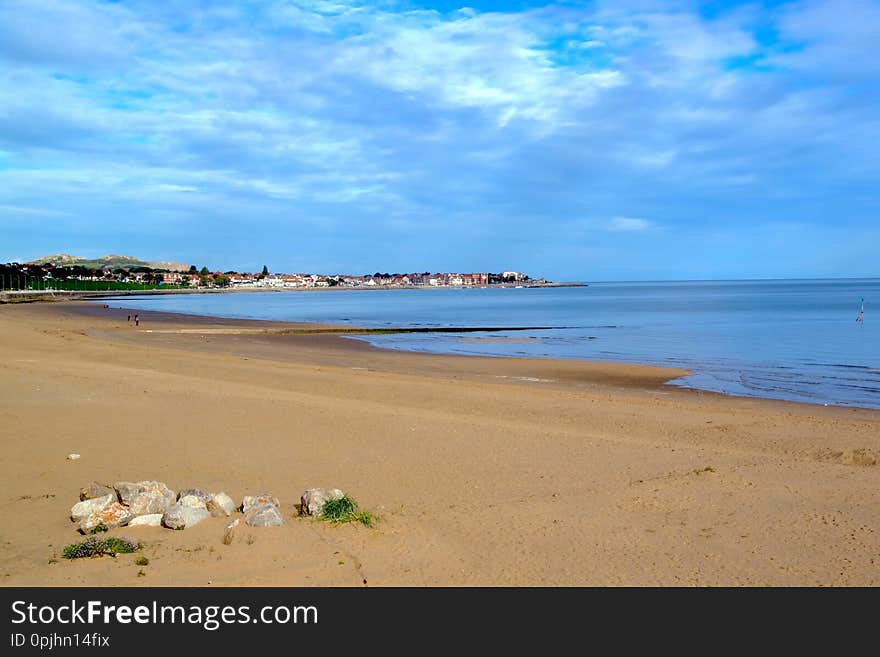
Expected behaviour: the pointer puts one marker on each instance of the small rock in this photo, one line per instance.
(182, 516)
(263, 515)
(196, 492)
(127, 490)
(94, 490)
(149, 520)
(229, 534)
(254, 500)
(220, 504)
(313, 499)
(73, 457)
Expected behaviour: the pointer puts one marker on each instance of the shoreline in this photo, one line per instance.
(245, 325)
(288, 341)
(483, 471)
(328, 343)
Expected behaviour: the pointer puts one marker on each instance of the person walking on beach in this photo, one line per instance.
(137, 321)
(129, 317)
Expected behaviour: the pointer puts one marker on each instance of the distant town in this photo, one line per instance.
(110, 273)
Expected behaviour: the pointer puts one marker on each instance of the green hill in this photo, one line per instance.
(112, 261)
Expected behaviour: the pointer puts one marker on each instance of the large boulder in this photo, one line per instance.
(99, 512)
(313, 500)
(151, 501)
(186, 512)
(263, 515)
(94, 490)
(220, 504)
(150, 520)
(127, 491)
(255, 500)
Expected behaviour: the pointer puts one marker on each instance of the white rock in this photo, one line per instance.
(254, 500)
(112, 515)
(149, 520)
(100, 511)
(82, 509)
(150, 502)
(220, 504)
(73, 457)
(192, 501)
(181, 516)
(263, 515)
(313, 499)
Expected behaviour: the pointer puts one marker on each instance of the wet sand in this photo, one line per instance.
(485, 471)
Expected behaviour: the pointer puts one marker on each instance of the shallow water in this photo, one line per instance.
(794, 340)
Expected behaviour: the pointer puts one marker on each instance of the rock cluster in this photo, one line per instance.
(152, 504)
(145, 503)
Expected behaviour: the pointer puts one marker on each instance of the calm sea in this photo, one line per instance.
(795, 340)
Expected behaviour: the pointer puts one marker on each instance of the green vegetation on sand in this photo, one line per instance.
(96, 547)
(345, 509)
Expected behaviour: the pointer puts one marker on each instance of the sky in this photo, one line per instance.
(620, 140)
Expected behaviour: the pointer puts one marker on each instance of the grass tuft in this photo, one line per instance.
(96, 547)
(345, 509)
(142, 561)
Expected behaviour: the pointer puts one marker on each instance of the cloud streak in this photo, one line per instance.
(628, 225)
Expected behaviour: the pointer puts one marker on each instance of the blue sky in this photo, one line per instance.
(577, 140)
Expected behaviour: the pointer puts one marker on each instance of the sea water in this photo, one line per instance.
(783, 339)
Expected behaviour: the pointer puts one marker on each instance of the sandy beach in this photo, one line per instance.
(484, 471)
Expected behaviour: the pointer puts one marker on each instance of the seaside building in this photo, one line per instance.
(475, 279)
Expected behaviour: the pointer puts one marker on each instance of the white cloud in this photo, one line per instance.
(628, 225)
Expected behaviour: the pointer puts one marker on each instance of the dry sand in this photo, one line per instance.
(484, 471)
